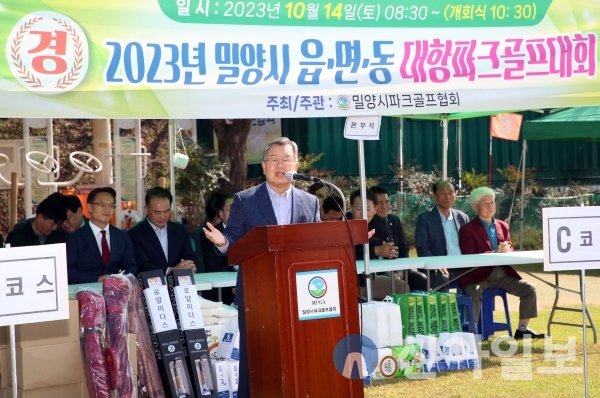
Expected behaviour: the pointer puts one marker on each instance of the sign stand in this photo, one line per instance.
(13, 359)
(568, 246)
(583, 315)
(51, 263)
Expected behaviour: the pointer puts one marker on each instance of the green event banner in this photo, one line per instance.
(282, 59)
(363, 14)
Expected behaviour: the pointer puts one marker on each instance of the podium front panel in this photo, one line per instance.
(288, 356)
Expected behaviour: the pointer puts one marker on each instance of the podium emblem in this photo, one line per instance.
(317, 287)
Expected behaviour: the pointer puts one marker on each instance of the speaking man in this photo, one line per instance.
(274, 202)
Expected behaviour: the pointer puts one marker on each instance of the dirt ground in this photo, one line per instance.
(546, 293)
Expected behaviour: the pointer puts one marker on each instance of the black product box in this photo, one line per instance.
(167, 345)
(191, 333)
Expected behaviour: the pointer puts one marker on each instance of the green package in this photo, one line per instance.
(408, 312)
(409, 359)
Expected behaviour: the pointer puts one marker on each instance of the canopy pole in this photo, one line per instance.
(28, 190)
(401, 151)
(118, 178)
(523, 195)
(445, 147)
(490, 165)
(363, 198)
(172, 144)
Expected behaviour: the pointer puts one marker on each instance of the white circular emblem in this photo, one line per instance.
(171, 348)
(47, 52)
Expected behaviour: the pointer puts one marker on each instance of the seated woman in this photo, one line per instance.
(217, 213)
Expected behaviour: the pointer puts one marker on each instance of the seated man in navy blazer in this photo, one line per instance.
(97, 249)
(157, 242)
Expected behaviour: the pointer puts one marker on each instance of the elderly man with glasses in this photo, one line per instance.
(486, 234)
(97, 249)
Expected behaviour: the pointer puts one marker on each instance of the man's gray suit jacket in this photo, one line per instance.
(252, 208)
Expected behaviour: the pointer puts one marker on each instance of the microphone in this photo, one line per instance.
(293, 176)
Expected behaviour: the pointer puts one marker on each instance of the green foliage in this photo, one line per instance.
(532, 238)
(415, 180)
(306, 162)
(198, 181)
(473, 180)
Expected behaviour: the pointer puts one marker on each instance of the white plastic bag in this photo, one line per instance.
(375, 324)
(453, 347)
(394, 321)
(227, 338)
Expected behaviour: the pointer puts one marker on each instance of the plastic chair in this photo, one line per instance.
(487, 327)
(465, 305)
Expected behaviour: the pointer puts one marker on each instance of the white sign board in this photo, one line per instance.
(571, 238)
(160, 309)
(33, 284)
(318, 294)
(362, 128)
(188, 307)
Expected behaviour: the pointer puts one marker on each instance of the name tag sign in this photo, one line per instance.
(318, 294)
(188, 306)
(160, 309)
(571, 238)
(362, 128)
(33, 284)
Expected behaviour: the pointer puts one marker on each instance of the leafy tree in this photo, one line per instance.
(231, 137)
(204, 175)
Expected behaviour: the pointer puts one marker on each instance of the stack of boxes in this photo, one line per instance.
(428, 313)
(49, 361)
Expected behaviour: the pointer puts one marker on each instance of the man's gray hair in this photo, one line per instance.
(479, 193)
(283, 141)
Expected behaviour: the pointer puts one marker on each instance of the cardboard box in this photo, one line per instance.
(4, 368)
(133, 354)
(49, 366)
(3, 336)
(84, 391)
(48, 333)
(66, 391)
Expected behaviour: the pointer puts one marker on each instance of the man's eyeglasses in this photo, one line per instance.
(110, 206)
(275, 161)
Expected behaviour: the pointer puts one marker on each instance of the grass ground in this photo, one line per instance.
(495, 380)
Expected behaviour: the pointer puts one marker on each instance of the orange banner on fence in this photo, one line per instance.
(506, 126)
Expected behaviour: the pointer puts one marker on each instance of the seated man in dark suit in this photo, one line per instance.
(381, 245)
(331, 209)
(98, 249)
(437, 235)
(75, 218)
(55, 196)
(485, 234)
(41, 229)
(157, 242)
